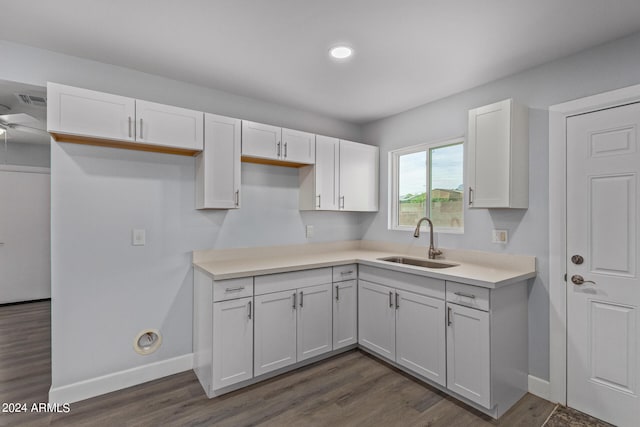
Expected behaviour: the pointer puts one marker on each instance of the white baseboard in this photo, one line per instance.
(539, 387)
(119, 380)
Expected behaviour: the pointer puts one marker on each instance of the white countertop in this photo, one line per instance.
(490, 270)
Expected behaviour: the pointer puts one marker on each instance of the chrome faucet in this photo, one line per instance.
(433, 252)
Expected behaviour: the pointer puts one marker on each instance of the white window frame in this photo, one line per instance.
(394, 155)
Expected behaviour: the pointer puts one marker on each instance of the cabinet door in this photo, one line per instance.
(262, 141)
(232, 342)
(275, 331)
(298, 147)
(377, 319)
(358, 177)
(326, 173)
(420, 335)
(159, 124)
(468, 363)
(345, 313)
(314, 321)
(218, 166)
(71, 110)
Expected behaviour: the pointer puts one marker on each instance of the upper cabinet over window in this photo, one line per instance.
(89, 117)
(427, 180)
(498, 170)
(274, 145)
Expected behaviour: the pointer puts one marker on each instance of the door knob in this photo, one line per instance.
(577, 259)
(579, 280)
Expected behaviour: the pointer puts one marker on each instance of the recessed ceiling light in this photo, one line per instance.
(340, 52)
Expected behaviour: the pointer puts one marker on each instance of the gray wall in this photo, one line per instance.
(24, 154)
(604, 68)
(104, 290)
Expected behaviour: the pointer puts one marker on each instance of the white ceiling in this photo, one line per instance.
(408, 52)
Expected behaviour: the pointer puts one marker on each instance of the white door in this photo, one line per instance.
(218, 166)
(298, 147)
(160, 124)
(420, 335)
(358, 177)
(377, 319)
(232, 342)
(261, 141)
(468, 357)
(25, 255)
(71, 110)
(314, 321)
(345, 313)
(326, 173)
(603, 332)
(275, 331)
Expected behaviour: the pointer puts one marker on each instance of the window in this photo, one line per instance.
(427, 180)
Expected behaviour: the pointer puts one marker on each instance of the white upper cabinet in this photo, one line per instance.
(89, 117)
(498, 156)
(319, 183)
(160, 124)
(218, 166)
(358, 177)
(344, 177)
(298, 147)
(274, 145)
(261, 141)
(75, 111)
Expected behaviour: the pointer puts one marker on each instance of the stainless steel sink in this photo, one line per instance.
(419, 262)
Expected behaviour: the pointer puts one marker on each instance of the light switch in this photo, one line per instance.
(500, 236)
(309, 231)
(138, 237)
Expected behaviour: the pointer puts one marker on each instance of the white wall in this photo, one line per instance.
(604, 68)
(104, 290)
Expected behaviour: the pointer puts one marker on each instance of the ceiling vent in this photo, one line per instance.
(34, 100)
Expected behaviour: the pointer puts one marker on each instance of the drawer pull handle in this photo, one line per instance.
(236, 289)
(462, 294)
(344, 273)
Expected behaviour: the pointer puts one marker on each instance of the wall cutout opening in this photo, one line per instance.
(147, 341)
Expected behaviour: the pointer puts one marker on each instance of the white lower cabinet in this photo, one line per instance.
(222, 331)
(314, 328)
(404, 322)
(232, 342)
(468, 358)
(420, 335)
(293, 318)
(345, 313)
(377, 319)
(275, 340)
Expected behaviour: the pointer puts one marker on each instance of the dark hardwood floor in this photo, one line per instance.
(352, 389)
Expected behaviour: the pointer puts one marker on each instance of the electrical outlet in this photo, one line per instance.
(500, 236)
(138, 237)
(309, 231)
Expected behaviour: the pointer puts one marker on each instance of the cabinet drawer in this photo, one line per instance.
(345, 272)
(468, 295)
(293, 280)
(233, 288)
